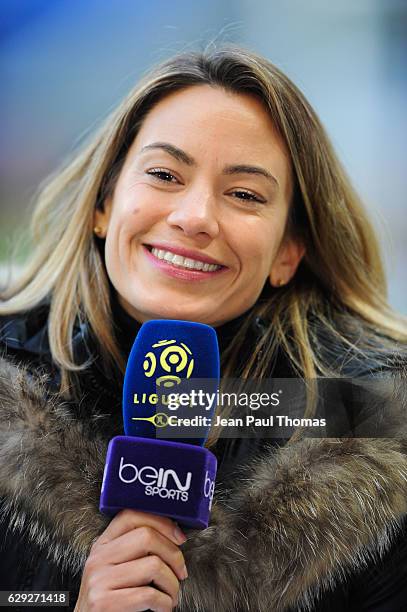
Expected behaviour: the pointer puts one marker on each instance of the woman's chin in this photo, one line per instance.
(169, 308)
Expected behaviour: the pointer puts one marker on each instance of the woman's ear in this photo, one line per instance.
(101, 219)
(286, 262)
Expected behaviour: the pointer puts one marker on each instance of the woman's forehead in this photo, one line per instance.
(208, 122)
(239, 115)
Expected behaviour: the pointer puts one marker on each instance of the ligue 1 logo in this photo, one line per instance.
(171, 361)
(165, 365)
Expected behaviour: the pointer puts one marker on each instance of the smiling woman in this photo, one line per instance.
(211, 194)
(207, 180)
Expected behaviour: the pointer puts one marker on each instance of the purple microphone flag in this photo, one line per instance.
(171, 479)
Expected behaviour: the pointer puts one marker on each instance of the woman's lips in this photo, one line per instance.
(184, 252)
(179, 272)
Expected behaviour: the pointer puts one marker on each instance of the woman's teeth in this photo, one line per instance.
(184, 262)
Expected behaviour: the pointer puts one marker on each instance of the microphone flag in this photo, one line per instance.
(151, 474)
(167, 357)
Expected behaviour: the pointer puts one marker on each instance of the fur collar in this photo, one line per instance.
(301, 519)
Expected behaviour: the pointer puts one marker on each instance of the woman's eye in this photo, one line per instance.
(248, 195)
(162, 175)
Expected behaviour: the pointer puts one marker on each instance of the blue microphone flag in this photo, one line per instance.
(165, 355)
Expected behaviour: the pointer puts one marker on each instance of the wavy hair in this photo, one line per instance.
(339, 287)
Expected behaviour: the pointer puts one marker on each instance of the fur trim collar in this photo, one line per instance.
(301, 518)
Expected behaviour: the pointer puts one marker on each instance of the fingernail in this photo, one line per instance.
(184, 573)
(179, 535)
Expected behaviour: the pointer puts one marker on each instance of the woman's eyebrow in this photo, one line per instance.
(182, 156)
(248, 169)
(179, 154)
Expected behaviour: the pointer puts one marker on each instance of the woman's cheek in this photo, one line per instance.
(256, 251)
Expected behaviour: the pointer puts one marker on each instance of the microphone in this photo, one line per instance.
(167, 356)
(151, 474)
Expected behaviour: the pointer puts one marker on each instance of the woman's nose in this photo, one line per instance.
(195, 214)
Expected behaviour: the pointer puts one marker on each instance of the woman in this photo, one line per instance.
(211, 194)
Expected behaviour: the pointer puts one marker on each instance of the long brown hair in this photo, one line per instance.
(339, 284)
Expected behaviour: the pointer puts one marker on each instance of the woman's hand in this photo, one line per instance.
(136, 564)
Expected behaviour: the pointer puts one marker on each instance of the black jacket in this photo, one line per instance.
(316, 525)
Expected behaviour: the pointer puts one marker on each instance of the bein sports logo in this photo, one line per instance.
(174, 360)
(209, 489)
(155, 481)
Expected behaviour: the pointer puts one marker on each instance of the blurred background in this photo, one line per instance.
(66, 63)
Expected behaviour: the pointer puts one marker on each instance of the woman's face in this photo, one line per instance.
(195, 225)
